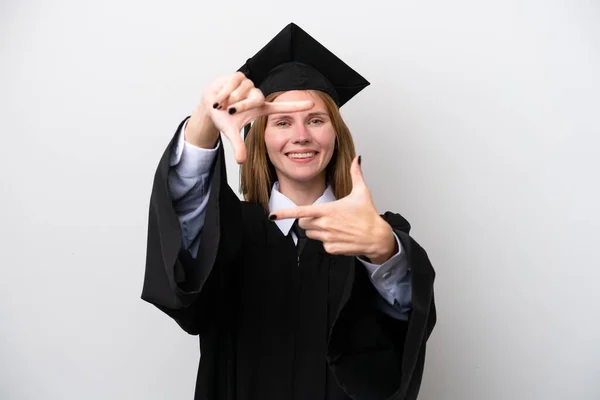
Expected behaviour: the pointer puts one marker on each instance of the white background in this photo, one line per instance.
(481, 127)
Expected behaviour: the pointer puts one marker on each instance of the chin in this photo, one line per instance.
(301, 177)
(301, 173)
(305, 178)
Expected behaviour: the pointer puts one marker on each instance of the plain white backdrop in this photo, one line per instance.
(481, 127)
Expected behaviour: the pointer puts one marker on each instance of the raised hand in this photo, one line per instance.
(227, 106)
(349, 226)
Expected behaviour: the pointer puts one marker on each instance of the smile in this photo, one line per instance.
(308, 154)
(302, 157)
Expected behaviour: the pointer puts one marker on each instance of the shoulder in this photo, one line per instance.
(255, 222)
(396, 221)
(253, 210)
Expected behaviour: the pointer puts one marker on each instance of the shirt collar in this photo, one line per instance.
(278, 201)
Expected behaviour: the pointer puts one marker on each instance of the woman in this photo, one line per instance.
(302, 290)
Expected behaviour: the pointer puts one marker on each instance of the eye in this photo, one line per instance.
(316, 121)
(281, 123)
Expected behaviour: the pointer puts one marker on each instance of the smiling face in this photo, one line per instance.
(300, 145)
(268, 142)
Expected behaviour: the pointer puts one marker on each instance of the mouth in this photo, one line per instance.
(302, 157)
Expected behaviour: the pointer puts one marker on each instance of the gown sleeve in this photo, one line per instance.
(192, 289)
(373, 355)
(189, 187)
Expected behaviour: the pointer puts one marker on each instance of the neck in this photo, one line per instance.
(302, 193)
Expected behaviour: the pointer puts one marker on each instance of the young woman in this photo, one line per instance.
(302, 290)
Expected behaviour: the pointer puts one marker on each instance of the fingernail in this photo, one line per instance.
(272, 217)
(232, 110)
(215, 105)
(359, 159)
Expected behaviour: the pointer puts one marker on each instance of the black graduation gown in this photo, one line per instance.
(273, 327)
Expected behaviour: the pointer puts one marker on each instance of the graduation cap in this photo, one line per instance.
(294, 60)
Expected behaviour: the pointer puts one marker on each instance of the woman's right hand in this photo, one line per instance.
(229, 104)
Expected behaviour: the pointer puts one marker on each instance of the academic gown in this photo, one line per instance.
(275, 326)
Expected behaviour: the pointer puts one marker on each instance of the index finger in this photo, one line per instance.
(300, 212)
(286, 106)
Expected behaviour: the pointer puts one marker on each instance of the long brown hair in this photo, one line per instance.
(257, 174)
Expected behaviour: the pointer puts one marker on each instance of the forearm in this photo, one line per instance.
(392, 280)
(189, 187)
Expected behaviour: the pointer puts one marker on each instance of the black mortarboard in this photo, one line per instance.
(293, 60)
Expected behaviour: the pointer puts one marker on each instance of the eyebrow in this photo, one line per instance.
(318, 114)
(310, 115)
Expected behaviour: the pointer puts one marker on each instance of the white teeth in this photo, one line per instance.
(301, 155)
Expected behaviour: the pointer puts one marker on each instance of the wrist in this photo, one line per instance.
(384, 243)
(200, 131)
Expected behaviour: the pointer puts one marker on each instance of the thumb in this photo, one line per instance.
(356, 174)
(238, 145)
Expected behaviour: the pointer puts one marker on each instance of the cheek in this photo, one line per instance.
(269, 140)
(327, 140)
(273, 142)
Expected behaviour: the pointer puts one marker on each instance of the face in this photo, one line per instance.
(301, 144)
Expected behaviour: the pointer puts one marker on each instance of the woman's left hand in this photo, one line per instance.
(349, 226)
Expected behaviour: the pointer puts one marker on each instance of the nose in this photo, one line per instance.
(301, 134)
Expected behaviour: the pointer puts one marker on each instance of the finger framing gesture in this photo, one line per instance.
(349, 226)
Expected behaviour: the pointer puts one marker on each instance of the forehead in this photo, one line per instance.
(301, 95)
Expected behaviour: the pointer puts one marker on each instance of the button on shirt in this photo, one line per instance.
(189, 185)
